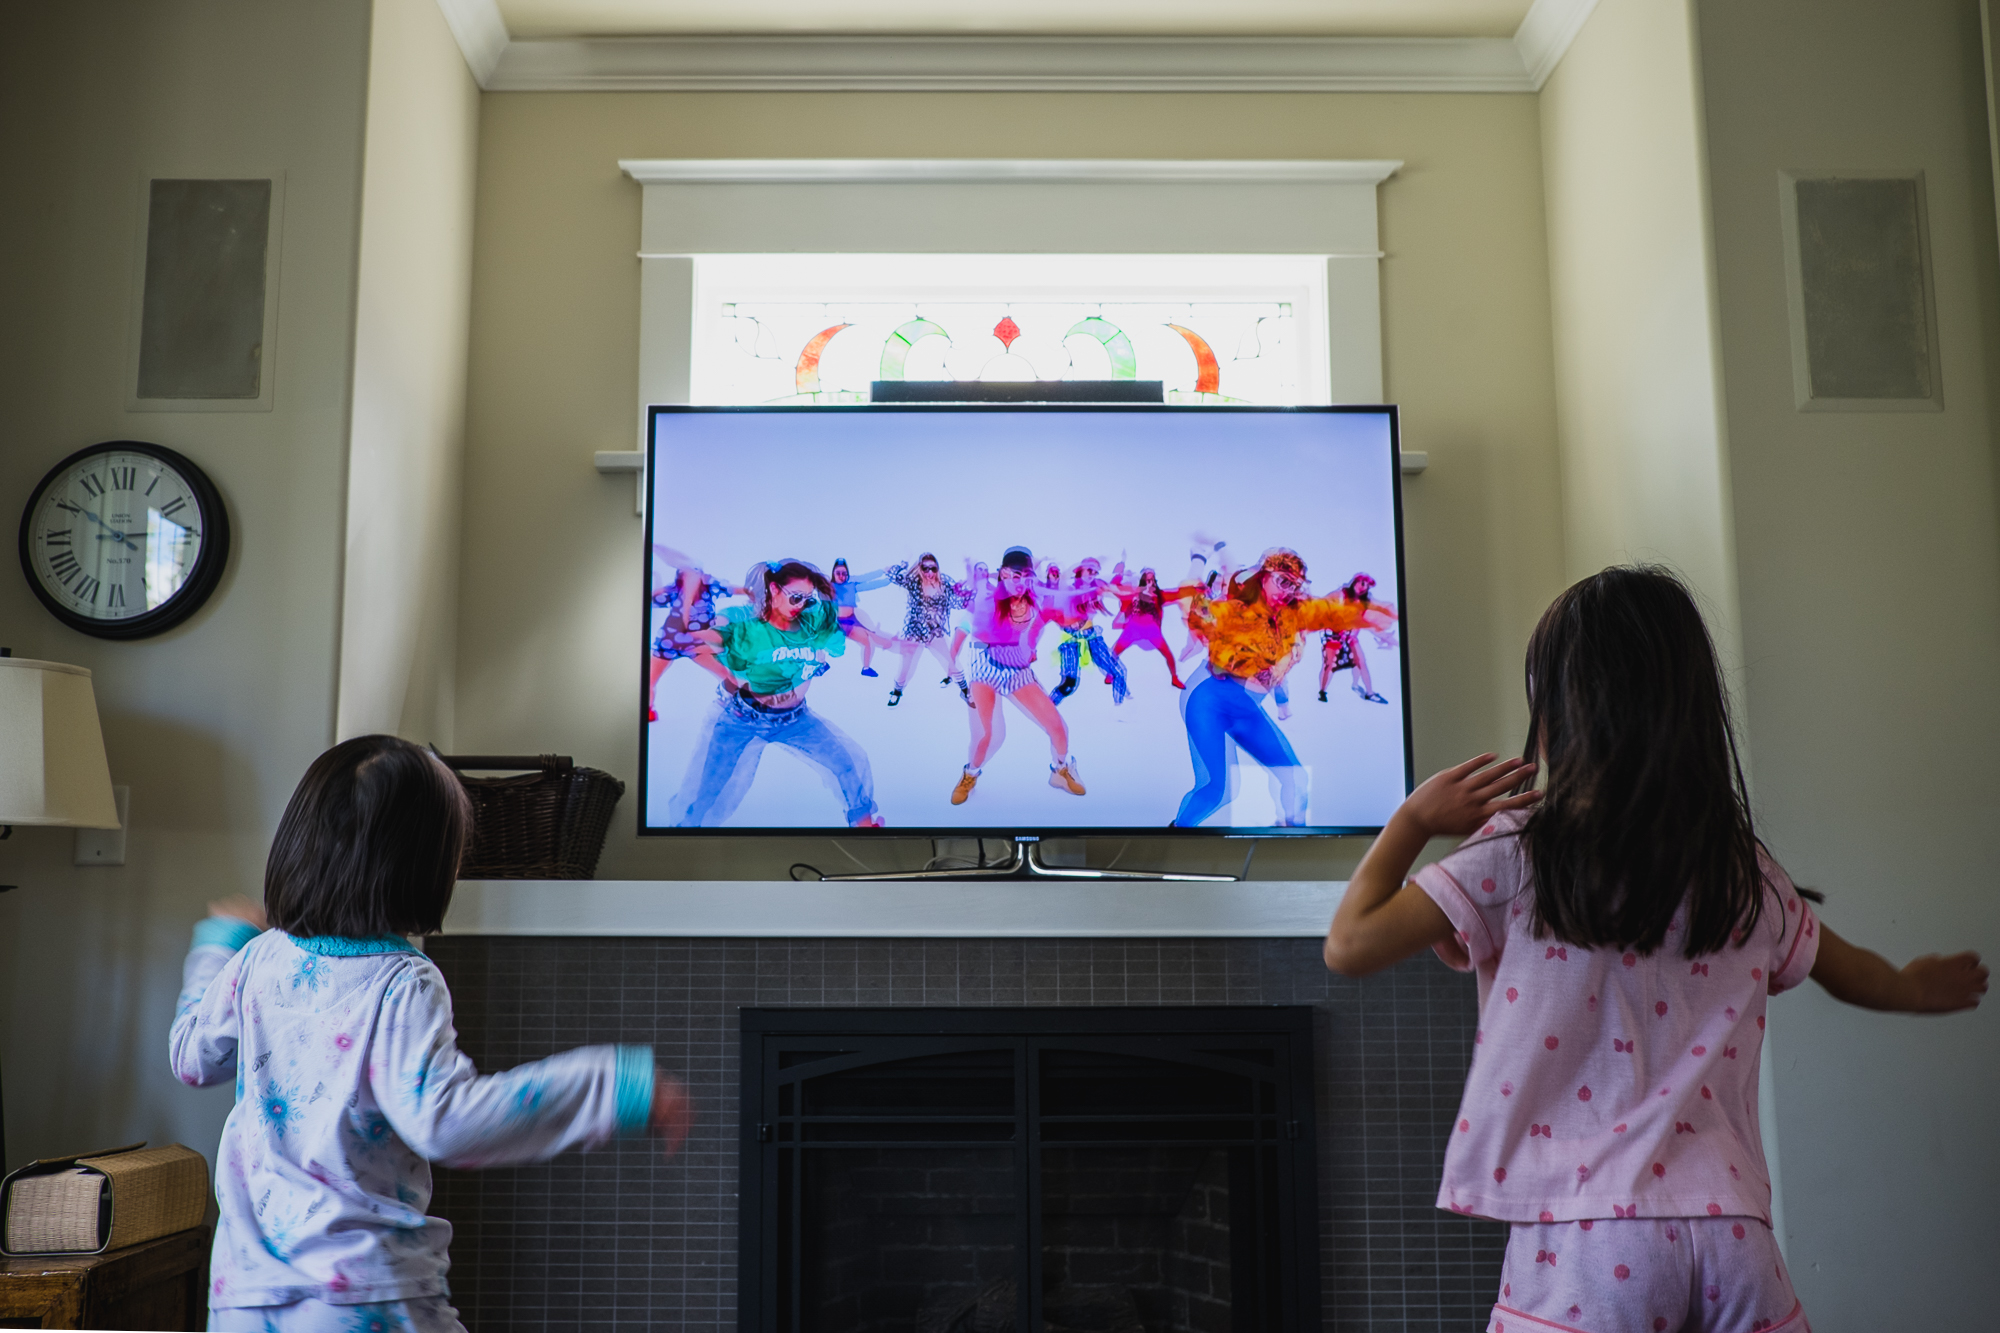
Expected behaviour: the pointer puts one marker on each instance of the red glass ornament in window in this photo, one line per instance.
(1007, 331)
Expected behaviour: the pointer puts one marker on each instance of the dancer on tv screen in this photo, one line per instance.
(1140, 608)
(976, 577)
(1210, 568)
(854, 622)
(769, 653)
(1252, 635)
(927, 623)
(689, 597)
(1074, 612)
(1007, 618)
(1340, 649)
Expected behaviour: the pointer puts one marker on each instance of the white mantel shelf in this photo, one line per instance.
(786, 909)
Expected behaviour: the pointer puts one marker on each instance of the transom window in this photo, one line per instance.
(824, 329)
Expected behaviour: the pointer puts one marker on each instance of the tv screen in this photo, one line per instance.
(1023, 620)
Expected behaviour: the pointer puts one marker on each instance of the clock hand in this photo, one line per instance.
(115, 534)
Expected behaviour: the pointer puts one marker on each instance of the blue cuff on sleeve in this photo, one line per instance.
(231, 932)
(633, 1081)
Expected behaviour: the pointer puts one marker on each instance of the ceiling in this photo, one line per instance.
(529, 19)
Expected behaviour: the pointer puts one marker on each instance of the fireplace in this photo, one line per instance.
(622, 1238)
(1099, 1170)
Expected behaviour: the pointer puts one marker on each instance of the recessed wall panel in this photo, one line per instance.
(1864, 334)
(202, 328)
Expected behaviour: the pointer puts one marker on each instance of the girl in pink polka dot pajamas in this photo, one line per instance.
(1627, 929)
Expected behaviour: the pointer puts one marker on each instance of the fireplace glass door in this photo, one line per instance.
(997, 1171)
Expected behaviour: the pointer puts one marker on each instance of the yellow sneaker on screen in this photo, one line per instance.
(1064, 777)
(966, 782)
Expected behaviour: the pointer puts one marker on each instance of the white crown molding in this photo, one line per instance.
(1013, 64)
(481, 34)
(854, 171)
(1545, 34)
(848, 63)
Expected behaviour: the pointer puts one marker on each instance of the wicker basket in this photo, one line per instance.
(545, 824)
(147, 1193)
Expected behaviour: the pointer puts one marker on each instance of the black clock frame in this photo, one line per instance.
(201, 580)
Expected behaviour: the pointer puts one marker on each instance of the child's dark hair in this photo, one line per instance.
(1646, 815)
(370, 843)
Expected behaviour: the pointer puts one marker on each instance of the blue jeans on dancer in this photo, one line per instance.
(1221, 709)
(726, 762)
(1069, 653)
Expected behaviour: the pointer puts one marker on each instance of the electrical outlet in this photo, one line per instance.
(105, 846)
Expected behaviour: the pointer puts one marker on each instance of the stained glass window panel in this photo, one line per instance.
(764, 335)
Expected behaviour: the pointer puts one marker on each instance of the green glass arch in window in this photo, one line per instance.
(1124, 362)
(896, 347)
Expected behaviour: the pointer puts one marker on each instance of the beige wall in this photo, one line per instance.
(212, 723)
(1644, 472)
(1873, 729)
(548, 657)
(412, 309)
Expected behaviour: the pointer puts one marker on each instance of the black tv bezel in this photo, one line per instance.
(1029, 832)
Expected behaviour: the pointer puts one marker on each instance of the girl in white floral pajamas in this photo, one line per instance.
(349, 1080)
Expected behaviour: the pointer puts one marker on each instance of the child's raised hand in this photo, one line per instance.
(1462, 798)
(242, 908)
(673, 1113)
(1940, 985)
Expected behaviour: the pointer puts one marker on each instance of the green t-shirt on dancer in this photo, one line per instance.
(770, 660)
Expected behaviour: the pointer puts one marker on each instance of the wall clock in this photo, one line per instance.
(124, 540)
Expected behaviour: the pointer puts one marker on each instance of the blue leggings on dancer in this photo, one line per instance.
(1221, 709)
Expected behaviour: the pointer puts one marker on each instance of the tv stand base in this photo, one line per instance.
(1026, 863)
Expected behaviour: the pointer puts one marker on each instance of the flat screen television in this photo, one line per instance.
(1036, 578)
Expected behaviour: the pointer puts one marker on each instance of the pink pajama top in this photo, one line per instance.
(1605, 1084)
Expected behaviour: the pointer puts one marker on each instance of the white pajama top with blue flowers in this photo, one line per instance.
(349, 1084)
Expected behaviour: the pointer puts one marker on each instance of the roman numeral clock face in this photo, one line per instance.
(124, 540)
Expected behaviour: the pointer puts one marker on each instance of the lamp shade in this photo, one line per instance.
(52, 768)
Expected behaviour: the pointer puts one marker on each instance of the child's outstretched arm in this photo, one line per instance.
(1927, 985)
(1383, 919)
(202, 1045)
(448, 1112)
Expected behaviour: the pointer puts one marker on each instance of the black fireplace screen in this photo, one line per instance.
(1016, 1170)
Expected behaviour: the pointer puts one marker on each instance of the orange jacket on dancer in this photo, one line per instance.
(1247, 639)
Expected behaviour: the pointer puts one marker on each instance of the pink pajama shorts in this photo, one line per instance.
(1646, 1275)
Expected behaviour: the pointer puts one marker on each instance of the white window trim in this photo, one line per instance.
(1008, 206)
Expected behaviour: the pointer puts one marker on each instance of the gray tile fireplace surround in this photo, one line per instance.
(620, 1239)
